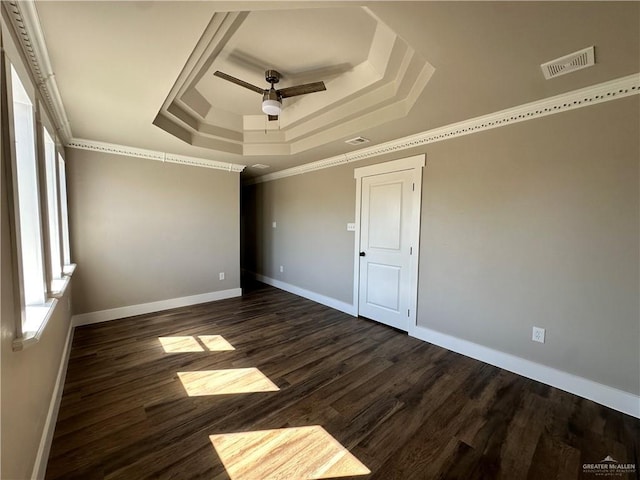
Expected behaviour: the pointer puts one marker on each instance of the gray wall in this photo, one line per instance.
(144, 231)
(536, 223)
(310, 240)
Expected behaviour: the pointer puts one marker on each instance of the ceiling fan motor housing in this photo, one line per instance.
(272, 76)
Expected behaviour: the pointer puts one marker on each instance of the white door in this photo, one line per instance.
(388, 207)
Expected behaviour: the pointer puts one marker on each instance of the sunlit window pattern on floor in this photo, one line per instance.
(215, 343)
(200, 343)
(300, 453)
(180, 344)
(224, 382)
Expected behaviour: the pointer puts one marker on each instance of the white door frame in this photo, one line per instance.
(416, 163)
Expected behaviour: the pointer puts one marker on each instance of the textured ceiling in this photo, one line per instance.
(121, 65)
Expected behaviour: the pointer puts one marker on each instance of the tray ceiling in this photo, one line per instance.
(139, 74)
(372, 77)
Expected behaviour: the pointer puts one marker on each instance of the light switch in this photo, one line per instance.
(273, 224)
(351, 227)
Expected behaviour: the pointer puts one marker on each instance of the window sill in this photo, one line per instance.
(59, 286)
(68, 270)
(37, 316)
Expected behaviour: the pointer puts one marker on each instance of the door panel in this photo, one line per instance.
(385, 216)
(383, 287)
(385, 241)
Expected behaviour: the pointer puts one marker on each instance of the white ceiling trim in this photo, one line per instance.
(26, 24)
(25, 21)
(114, 149)
(603, 92)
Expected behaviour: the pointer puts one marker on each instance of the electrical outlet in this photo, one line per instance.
(281, 269)
(221, 275)
(538, 334)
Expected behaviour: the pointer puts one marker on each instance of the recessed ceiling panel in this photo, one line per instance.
(372, 76)
(304, 45)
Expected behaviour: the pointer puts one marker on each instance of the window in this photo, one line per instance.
(66, 251)
(27, 202)
(51, 169)
(39, 221)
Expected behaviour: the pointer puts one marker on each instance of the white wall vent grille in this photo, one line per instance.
(569, 63)
(357, 141)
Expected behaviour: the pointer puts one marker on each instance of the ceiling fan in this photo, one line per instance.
(272, 98)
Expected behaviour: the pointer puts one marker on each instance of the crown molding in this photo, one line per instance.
(115, 149)
(26, 24)
(603, 92)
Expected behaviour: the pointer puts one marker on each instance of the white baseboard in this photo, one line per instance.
(132, 310)
(301, 292)
(603, 394)
(42, 457)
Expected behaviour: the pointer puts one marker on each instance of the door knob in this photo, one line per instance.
(362, 254)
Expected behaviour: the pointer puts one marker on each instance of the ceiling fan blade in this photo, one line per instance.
(237, 81)
(302, 89)
(272, 117)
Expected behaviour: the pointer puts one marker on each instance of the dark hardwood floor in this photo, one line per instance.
(404, 408)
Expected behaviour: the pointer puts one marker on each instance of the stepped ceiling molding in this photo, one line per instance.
(372, 77)
(136, 77)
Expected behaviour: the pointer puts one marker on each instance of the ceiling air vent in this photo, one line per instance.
(357, 141)
(569, 63)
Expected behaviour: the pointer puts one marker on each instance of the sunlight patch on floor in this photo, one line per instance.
(180, 344)
(224, 382)
(300, 453)
(215, 343)
(200, 343)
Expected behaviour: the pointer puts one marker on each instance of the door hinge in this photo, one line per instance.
(413, 187)
(408, 313)
(410, 250)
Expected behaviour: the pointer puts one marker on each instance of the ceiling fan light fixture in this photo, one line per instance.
(271, 107)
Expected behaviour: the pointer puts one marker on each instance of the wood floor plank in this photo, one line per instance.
(404, 408)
